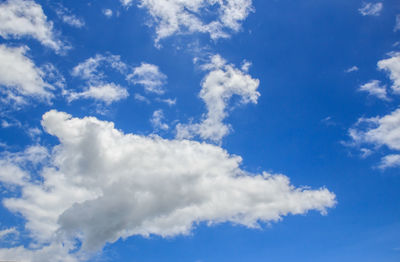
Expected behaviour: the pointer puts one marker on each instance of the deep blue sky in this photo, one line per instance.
(300, 51)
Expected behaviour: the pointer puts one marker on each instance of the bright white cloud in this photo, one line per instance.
(138, 185)
(107, 93)
(373, 9)
(157, 120)
(392, 66)
(126, 3)
(378, 131)
(189, 16)
(219, 85)
(20, 18)
(150, 77)
(374, 88)
(20, 78)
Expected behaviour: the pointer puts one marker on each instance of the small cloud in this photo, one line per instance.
(150, 77)
(371, 9)
(328, 121)
(157, 120)
(374, 88)
(352, 69)
(390, 161)
(397, 26)
(141, 98)
(68, 18)
(168, 101)
(108, 13)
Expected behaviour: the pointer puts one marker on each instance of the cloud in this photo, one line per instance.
(390, 161)
(352, 69)
(108, 13)
(20, 78)
(157, 120)
(20, 18)
(374, 88)
(7, 232)
(392, 66)
(378, 131)
(126, 3)
(69, 18)
(372, 9)
(93, 68)
(221, 83)
(397, 26)
(187, 16)
(150, 77)
(107, 93)
(140, 185)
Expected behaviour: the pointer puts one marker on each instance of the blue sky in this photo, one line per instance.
(199, 131)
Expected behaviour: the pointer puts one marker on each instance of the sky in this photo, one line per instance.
(199, 130)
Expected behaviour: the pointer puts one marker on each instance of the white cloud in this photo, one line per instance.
(141, 98)
(19, 18)
(373, 9)
(150, 77)
(126, 3)
(92, 69)
(189, 16)
(378, 131)
(107, 93)
(7, 232)
(374, 88)
(157, 120)
(138, 185)
(108, 12)
(392, 66)
(397, 26)
(20, 77)
(219, 85)
(168, 101)
(69, 18)
(390, 161)
(352, 69)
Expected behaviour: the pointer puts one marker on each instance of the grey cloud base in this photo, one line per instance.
(100, 185)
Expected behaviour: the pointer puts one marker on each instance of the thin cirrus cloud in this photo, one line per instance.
(25, 18)
(139, 185)
(69, 18)
(188, 16)
(221, 83)
(371, 9)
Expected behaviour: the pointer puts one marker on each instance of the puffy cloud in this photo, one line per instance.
(100, 184)
(219, 85)
(157, 120)
(19, 18)
(20, 77)
(150, 77)
(373, 9)
(392, 66)
(107, 93)
(126, 3)
(374, 88)
(190, 16)
(378, 131)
